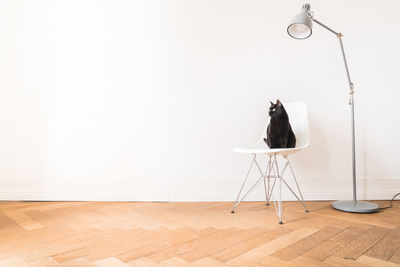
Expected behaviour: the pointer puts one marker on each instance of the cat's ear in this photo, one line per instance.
(271, 103)
(278, 103)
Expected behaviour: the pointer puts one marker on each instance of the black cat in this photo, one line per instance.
(279, 131)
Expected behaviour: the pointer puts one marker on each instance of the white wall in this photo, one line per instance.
(144, 100)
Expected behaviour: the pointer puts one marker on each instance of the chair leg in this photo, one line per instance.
(297, 185)
(280, 190)
(265, 191)
(300, 199)
(275, 169)
(263, 174)
(275, 177)
(248, 192)
(240, 198)
(241, 188)
(271, 194)
(268, 177)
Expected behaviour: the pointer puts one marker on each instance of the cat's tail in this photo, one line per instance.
(267, 142)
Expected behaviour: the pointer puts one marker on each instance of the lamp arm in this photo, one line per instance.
(339, 36)
(351, 102)
(323, 25)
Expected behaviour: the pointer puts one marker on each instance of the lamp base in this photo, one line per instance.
(356, 207)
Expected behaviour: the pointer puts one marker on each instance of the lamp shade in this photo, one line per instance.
(301, 25)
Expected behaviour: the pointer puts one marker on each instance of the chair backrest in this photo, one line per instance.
(297, 112)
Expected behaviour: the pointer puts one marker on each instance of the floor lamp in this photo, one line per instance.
(301, 28)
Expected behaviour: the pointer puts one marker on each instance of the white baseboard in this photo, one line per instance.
(187, 190)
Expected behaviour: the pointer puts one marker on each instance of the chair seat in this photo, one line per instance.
(275, 151)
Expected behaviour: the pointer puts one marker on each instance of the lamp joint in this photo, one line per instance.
(351, 88)
(339, 35)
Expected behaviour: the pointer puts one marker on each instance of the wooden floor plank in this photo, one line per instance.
(144, 262)
(176, 262)
(242, 247)
(46, 262)
(207, 262)
(385, 248)
(116, 246)
(239, 262)
(7, 224)
(221, 244)
(376, 262)
(160, 243)
(23, 220)
(360, 245)
(302, 246)
(396, 257)
(13, 262)
(109, 240)
(304, 261)
(202, 241)
(271, 261)
(337, 242)
(110, 262)
(275, 245)
(78, 262)
(340, 262)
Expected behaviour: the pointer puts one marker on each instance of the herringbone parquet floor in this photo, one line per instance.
(194, 234)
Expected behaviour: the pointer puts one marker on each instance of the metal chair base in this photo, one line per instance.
(271, 172)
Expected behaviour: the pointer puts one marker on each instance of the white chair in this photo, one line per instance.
(297, 112)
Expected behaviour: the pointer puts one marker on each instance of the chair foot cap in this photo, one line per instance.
(280, 222)
(232, 211)
(267, 204)
(307, 211)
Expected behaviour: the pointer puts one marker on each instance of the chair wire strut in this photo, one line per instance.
(271, 172)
